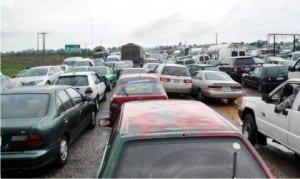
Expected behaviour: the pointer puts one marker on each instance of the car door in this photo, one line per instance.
(294, 126)
(81, 106)
(71, 114)
(276, 124)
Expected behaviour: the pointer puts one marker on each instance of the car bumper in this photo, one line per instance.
(223, 95)
(26, 160)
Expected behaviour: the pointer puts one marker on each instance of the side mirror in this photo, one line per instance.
(266, 98)
(105, 122)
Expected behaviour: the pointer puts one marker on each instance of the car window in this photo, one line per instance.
(28, 105)
(257, 71)
(37, 72)
(59, 105)
(139, 86)
(210, 157)
(73, 80)
(52, 71)
(277, 71)
(234, 53)
(242, 53)
(83, 63)
(217, 76)
(65, 99)
(175, 71)
(74, 95)
(206, 58)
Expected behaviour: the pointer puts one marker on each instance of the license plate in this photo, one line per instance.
(246, 69)
(176, 81)
(226, 88)
(280, 78)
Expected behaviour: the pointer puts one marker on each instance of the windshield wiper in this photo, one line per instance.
(237, 147)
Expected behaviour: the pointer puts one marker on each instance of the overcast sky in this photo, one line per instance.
(145, 22)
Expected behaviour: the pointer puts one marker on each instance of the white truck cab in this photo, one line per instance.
(260, 120)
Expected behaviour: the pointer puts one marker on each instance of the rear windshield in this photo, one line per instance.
(175, 71)
(217, 76)
(139, 86)
(244, 61)
(25, 105)
(211, 68)
(73, 80)
(277, 71)
(99, 70)
(186, 158)
(37, 72)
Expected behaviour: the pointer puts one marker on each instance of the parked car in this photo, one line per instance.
(150, 66)
(70, 61)
(215, 84)
(21, 73)
(177, 139)
(106, 73)
(134, 87)
(237, 66)
(293, 57)
(41, 75)
(277, 60)
(47, 120)
(174, 78)
(186, 61)
(84, 62)
(87, 83)
(261, 120)
(7, 82)
(124, 71)
(111, 58)
(265, 77)
(196, 67)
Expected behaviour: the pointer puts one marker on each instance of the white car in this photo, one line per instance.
(84, 62)
(87, 83)
(260, 120)
(150, 66)
(174, 78)
(70, 61)
(42, 75)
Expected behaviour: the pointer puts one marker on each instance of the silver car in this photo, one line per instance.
(42, 75)
(215, 84)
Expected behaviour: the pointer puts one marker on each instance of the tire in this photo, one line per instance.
(261, 139)
(63, 154)
(249, 128)
(199, 95)
(93, 120)
(48, 83)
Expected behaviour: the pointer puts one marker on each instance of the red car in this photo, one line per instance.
(135, 87)
(177, 139)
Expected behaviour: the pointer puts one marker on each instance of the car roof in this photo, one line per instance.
(167, 116)
(77, 73)
(173, 65)
(203, 65)
(36, 89)
(140, 75)
(41, 67)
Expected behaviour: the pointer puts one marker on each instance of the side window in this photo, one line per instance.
(234, 53)
(75, 96)
(199, 76)
(65, 99)
(51, 71)
(60, 107)
(275, 98)
(155, 70)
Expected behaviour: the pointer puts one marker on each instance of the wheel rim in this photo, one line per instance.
(63, 150)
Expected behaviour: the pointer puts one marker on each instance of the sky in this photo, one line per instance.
(145, 22)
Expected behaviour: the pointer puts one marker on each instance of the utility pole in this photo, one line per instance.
(37, 43)
(44, 43)
(216, 38)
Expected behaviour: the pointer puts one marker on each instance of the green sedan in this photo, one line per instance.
(107, 73)
(39, 123)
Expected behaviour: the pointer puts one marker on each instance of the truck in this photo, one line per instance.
(225, 52)
(133, 52)
(100, 52)
(261, 119)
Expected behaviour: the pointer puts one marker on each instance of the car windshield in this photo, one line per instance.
(77, 69)
(36, 72)
(175, 71)
(217, 76)
(277, 71)
(73, 80)
(210, 157)
(83, 63)
(70, 63)
(99, 70)
(28, 105)
(139, 86)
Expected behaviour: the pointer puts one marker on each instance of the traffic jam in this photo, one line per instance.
(215, 112)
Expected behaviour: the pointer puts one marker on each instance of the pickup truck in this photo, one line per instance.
(260, 120)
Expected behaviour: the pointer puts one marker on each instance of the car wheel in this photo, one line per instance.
(249, 128)
(48, 83)
(62, 156)
(199, 95)
(93, 120)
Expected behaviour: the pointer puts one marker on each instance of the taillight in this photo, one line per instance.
(187, 81)
(235, 69)
(88, 90)
(269, 78)
(25, 141)
(214, 87)
(162, 79)
(236, 87)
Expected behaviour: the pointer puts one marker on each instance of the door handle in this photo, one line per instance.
(263, 114)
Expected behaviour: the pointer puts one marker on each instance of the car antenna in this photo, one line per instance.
(237, 147)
